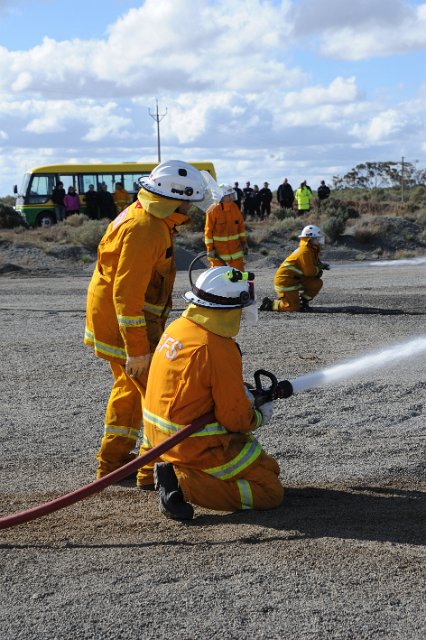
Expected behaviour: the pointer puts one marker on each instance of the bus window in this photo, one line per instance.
(131, 181)
(110, 179)
(84, 180)
(69, 181)
(40, 189)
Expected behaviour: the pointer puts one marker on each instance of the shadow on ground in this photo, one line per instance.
(358, 512)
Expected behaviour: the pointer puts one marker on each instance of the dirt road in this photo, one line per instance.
(344, 556)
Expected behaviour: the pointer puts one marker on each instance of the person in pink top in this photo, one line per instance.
(71, 202)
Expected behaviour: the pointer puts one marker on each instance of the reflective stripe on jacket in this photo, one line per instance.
(194, 371)
(303, 262)
(129, 296)
(225, 231)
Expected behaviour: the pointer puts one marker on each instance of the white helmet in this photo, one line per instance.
(314, 232)
(227, 190)
(222, 288)
(175, 179)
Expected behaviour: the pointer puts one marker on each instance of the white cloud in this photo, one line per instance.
(339, 90)
(397, 28)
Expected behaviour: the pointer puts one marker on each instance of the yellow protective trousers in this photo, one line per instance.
(123, 419)
(290, 300)
(258, 487)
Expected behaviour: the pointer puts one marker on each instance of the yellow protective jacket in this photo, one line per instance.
(129, 296)
(225, 232)
(121, 199)
(303, 197)
(194, 371)
(303, 262)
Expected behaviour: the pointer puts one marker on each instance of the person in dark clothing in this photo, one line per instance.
(256, 202)
(106, 203)
(239, 194)
(91, 198)
(248, 200)
(323, 191)
(285, 195)
(265, 195)
(58, 195)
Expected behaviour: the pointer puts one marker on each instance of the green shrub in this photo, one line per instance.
(89, 234)
(76, 220)
(9, 218)
(335, 225)
(418, 194)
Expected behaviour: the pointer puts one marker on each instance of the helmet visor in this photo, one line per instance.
(213, 193)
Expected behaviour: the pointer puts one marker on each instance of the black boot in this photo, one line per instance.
(266, 304)
(304, 305)
(172, 502)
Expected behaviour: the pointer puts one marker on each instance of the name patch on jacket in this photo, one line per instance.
(120, 218)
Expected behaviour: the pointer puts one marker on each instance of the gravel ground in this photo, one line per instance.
(343, 557)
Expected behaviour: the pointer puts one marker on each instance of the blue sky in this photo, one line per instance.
(304, 89)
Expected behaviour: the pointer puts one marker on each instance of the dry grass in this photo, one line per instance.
(76, 229)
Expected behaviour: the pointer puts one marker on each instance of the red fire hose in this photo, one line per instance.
(96, 486)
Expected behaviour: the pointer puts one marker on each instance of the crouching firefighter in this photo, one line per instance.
(129, 297)
(197, 368)
(298, 279)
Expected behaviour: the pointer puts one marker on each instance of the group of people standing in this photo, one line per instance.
(98, 204)
(256, 203)
(303, 196)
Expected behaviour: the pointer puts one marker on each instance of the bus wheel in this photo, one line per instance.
(45, 219)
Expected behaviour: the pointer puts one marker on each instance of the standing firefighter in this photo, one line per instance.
(298, 278)
(121, 197)
(129, 297)
(225, 232)
(197, 368)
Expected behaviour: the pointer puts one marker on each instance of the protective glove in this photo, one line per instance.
(137, 365)
(245, 250)
(211, 254)
(266, 410)
(249, 395)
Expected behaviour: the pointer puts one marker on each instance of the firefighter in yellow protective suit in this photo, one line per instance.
(129, 297)
(298, 279)
(197, 368)
(121, 198)
(224, 232)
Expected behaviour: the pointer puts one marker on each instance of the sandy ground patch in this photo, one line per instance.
(343, 557)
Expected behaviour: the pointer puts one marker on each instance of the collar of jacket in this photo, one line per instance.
(223, 322)
(160, 207)
(306, 242)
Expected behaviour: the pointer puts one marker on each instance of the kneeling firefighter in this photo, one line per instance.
(298, 279)
(129, 297)
(197, 368)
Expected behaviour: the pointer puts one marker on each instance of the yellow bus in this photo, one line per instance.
(34, 199)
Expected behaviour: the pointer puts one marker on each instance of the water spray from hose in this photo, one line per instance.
(360, 366)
